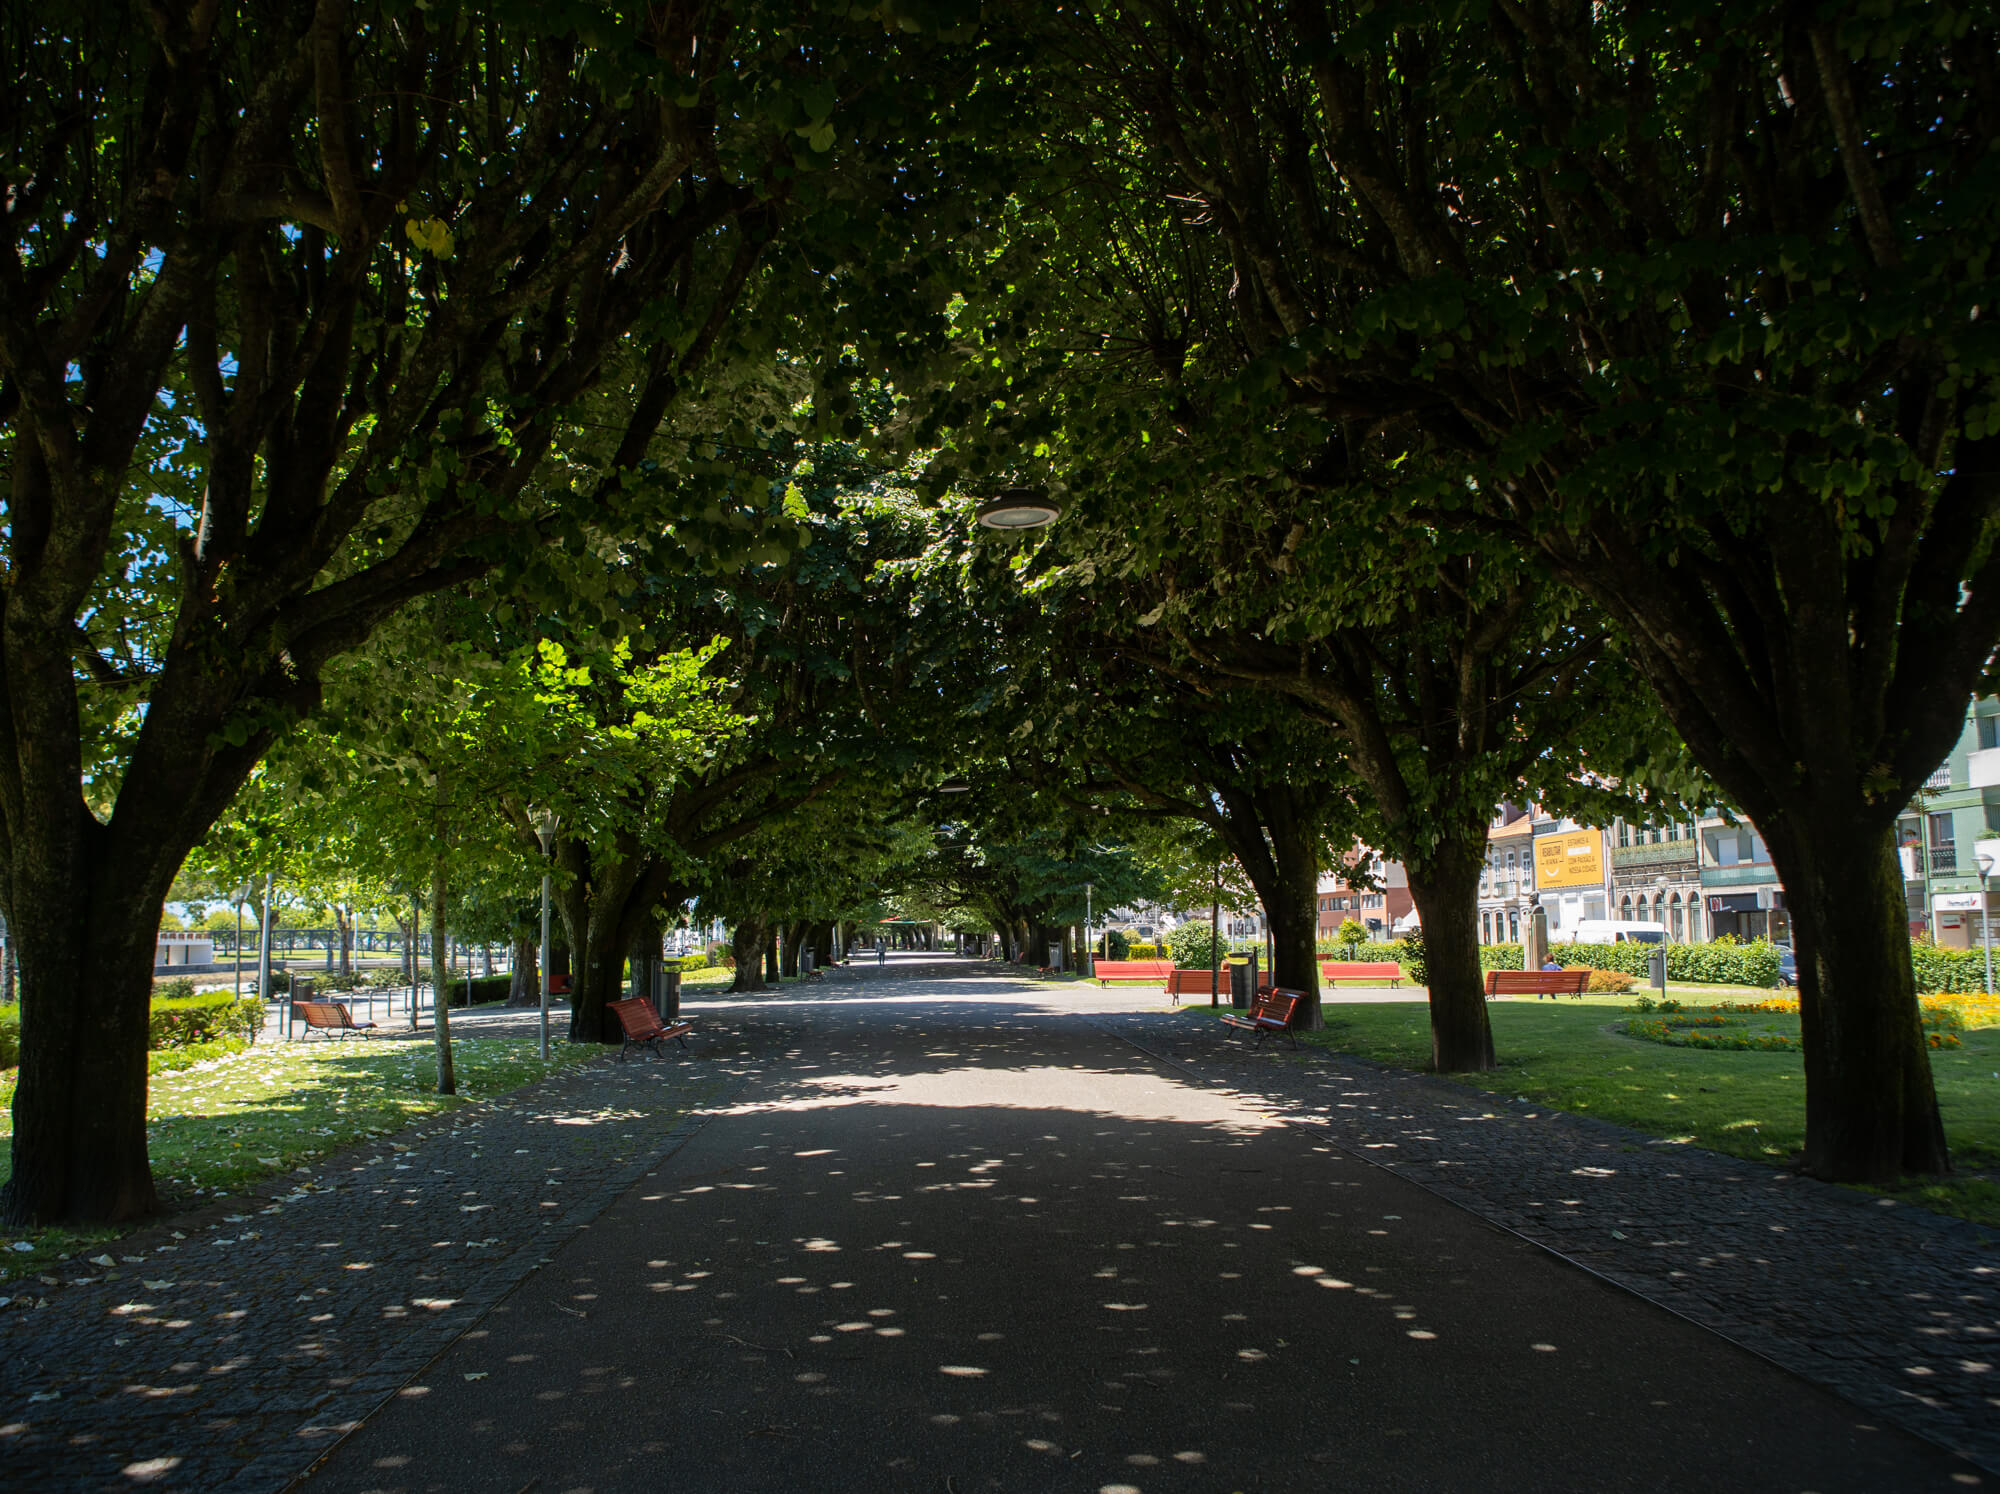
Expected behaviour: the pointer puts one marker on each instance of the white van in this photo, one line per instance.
(1610, 931)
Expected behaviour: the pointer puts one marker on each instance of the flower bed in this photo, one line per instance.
(1701, 1031)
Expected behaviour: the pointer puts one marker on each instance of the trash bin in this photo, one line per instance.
(1242, 983)
(1656, 969)
(300, 988)
(1055, 957)
(667, 994)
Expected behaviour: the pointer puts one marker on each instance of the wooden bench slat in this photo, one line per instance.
(1537, 982)
(642, 1025)
(1274, 1010)
(1380, 970)
(1148, 970)
(330, 1017)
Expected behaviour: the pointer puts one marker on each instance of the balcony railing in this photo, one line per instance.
(1944, 859)
(1941, 779)
(1664, 853)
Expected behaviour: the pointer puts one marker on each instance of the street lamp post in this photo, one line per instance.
(264, 958)
(1986, 915)
(238, 897)
(545, 831)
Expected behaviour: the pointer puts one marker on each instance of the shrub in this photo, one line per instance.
(1117, 945)
(485, 988)
(1610, 980)
(1949, 970)
(191, 1021)
(1139, 949)
(1350, 934)
(1754, 964)
(1194, 946)
(1410, 954)
(687, 964)
(10, 1036)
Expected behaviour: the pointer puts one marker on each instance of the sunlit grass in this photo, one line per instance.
(1569, 1056)
(215, 1129)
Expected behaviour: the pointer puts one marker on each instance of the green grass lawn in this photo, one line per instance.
(1748, 1104)
(212, 1130)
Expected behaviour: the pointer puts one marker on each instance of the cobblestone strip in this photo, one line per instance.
(1893, 1307)
(231, 1348)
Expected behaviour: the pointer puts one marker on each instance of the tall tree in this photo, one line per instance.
(1698, 301)
(301, 309)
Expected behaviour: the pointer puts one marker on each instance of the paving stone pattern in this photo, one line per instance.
(1894, 1307)
(229, 1349)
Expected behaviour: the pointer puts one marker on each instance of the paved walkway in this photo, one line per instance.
(975, 1232)
(964, 1237)
(1894, 1307)
(225, 1349)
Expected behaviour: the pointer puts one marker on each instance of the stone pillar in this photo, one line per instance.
(1535, 939)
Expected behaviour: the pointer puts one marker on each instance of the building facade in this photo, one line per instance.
(1656, 877)
(1741, 894)
(1572, 876)
(1508, 881)
(1955, 820)
(1385, 910)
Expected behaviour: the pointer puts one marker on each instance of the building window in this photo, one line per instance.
(1989, 732)
(1510, 863)
(1625, 910)
(1624, 833)
(1678, 924)
(1513, 928)
(1486, 928)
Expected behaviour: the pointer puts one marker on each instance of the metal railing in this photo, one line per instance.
(1944, 859)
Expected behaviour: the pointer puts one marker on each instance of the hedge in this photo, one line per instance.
(10, 1036)
(186, 1021)
(1713, 964)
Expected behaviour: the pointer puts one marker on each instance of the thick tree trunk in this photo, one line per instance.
(526, 988)
(795, 934)
(344, 926)
(747, 944)
(1871, 1104)
(771, 956)
(79, 1145)
(447, 1080)
(1275, 833)
(1446, 891)
(825, 941)
(1294, 916)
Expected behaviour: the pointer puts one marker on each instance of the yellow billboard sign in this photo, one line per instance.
(1572, 859)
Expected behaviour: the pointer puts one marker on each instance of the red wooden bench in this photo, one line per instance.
(643, 1027)
(1376, 971)
(331, 1018)
(1537, 983)
(1195, 983)
(559, 983)
(1271, 1012)
(1146, 970)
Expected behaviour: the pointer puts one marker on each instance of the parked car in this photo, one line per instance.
(1619, 931)
(1788, 967)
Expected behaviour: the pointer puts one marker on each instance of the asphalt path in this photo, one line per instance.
(961, 1237)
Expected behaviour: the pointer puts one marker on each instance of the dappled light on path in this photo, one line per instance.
(976, 1244)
